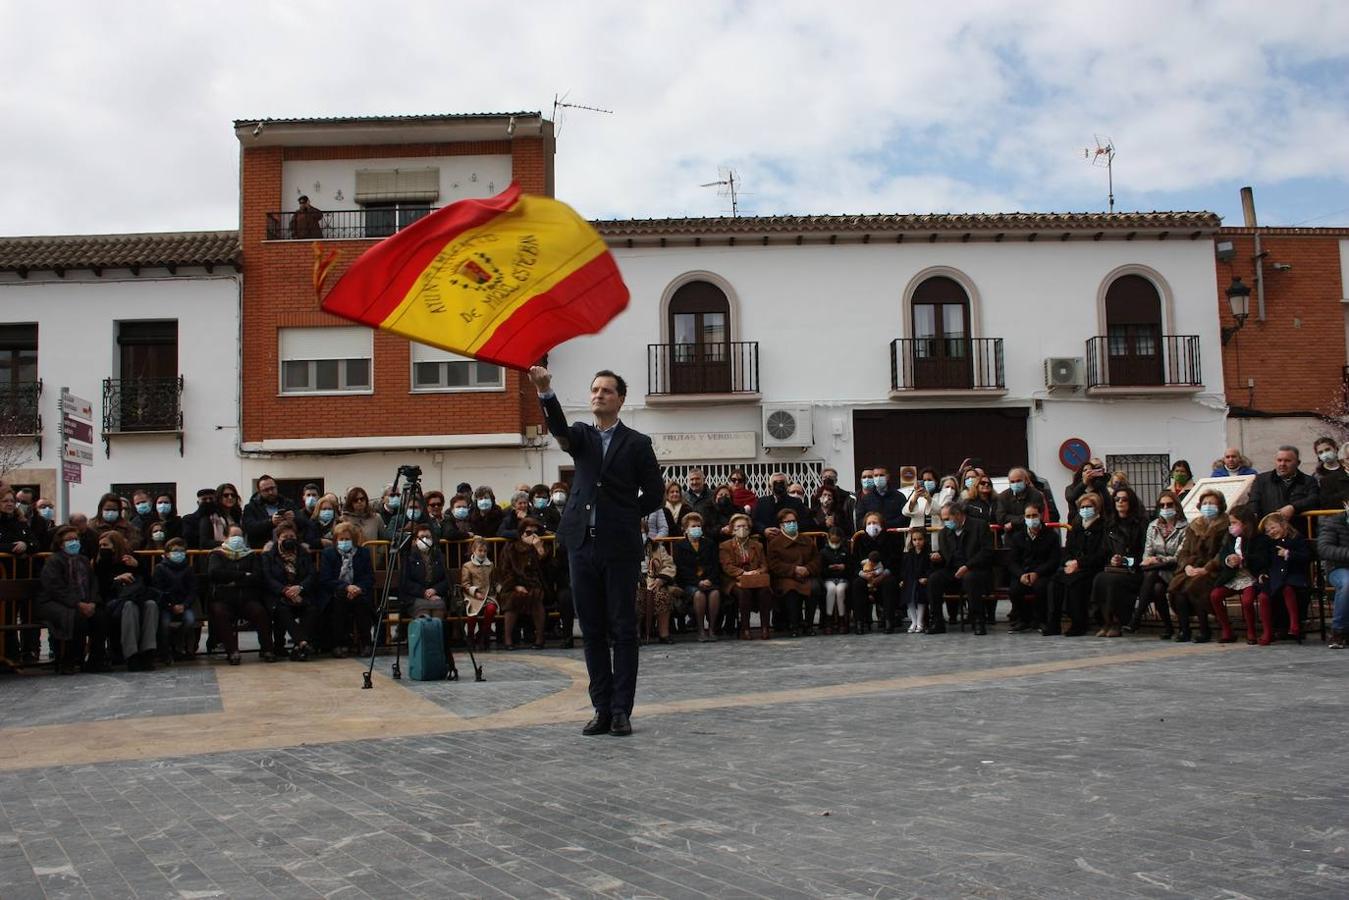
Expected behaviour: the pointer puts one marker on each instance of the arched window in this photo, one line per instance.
(941, 331)
(700, 340)
(1133, 317)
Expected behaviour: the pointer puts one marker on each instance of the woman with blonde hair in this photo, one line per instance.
(744, 570)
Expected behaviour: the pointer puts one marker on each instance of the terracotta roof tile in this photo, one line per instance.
(120, 251)
(338, 120)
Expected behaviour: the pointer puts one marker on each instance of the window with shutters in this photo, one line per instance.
(326, 360)
(434, 369)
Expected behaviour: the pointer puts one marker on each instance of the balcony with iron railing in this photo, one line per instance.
(20, 412)
(1134, 363)
(724, 372)
(946, 367)
(344, 224)
(142, 406)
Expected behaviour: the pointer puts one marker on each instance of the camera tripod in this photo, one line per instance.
(401, 537)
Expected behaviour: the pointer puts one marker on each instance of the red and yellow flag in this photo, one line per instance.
(503, 280)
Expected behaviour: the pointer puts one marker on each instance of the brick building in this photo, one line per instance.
(1285, 367)
(322, 397)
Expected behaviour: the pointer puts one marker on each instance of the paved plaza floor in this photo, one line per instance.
(872, 766)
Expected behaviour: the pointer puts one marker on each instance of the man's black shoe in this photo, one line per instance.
(620, 726)
(939, 628)
(599, 724)
(979, 628)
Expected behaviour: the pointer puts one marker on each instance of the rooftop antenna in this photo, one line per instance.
(1104, 155)
(561, 103)
(726, 183)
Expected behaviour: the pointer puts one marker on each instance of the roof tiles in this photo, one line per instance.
(120, 251)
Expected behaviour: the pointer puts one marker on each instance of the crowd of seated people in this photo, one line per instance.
(721, 561)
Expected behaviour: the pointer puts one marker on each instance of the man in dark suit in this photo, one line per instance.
(617, 482)
(963, 564)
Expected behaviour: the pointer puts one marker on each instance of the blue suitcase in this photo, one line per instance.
(426, 650)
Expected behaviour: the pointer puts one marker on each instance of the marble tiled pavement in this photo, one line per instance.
(1119, 768)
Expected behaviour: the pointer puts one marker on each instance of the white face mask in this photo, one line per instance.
(873, 529)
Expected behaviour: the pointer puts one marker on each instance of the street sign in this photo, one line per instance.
(77, 431)
(70, 472)
(80, 455)
(78, 407)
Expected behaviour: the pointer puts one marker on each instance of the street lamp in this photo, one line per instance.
(1239, 298)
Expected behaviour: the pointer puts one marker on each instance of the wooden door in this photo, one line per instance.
(1133, 312)
(700, 340)
(941, 438)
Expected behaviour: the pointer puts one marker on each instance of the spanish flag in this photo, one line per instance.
(503, 280)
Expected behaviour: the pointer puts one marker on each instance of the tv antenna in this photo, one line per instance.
(560, 103)
(1104, 155)
(726, 184)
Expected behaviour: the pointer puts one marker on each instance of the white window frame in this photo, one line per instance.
(436, 355)
(350, 334)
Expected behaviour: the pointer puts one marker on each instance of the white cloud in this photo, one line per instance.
(121, 120)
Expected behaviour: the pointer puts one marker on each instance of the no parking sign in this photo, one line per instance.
(1074, 452)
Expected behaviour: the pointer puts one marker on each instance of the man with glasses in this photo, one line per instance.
(267, 510)
(767, 507)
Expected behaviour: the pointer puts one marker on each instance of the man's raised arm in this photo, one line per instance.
(542, 380)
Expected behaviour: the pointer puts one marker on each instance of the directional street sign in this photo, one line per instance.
(70, 472)
(77, 431)
(80, 455)
(77, 407)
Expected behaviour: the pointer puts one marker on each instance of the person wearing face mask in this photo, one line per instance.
(1182, 479)
(16, 536)
(949, 492)
(1243, 566)
(1089, 478)
(132, 612)
(885, 499)
(717, 515)
(744, 572)
(1011, 505)
(1332, 479)
(423, 583)
(346, 593)
(962, 564)
(523, 584)
(1286, 489)
(235, 573)
(1033, 557)
(324, 523)
(403, 523)
(292, 589)
(541, 507)
(1114, 592)
(71, 606)
(40, 524)
(921, 507)
(847, 502)
(177, 585)
(867, 480)
(915, 567)
(767, 508)
(828, 510)
(357, 511)
(698, 574)
(191, 523)
(653, 591)
(110, 518)
(1233, 462)
(309, 498)
(1084, 557)
(793, 565)
(880, 586)
(477, 581)
(1197, 563)
(836, 567)
(455, 528)
(141, 511)
(486, 517)
(1161, 546)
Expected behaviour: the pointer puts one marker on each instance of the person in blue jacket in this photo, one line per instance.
(347, 592)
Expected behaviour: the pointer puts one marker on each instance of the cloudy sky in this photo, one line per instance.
(118, 115)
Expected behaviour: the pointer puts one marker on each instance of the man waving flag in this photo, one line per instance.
(502, 280)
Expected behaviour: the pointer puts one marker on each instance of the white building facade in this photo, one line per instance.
(146, 328)
(798, 343)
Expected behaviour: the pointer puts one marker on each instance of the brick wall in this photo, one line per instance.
(278, 293)
(1296, 356)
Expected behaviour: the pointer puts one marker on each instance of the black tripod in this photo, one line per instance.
(401, 536)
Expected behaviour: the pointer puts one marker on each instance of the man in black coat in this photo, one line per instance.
(192, 521)
(963, 564)
(885, 499)
(767, 508)
(268, 509)
(616, 483)
(1033, 559)
(1286, 489)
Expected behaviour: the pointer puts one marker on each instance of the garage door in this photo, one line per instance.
(940, 438)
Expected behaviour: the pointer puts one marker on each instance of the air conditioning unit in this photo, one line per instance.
(1063, 373)
(788, 426)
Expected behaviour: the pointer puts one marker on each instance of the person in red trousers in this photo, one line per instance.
(1290, 556)
(1242, 562)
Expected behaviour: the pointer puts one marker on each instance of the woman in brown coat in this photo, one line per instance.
(522, 583)
(793, 561)
(743, 560)
(1197, 564)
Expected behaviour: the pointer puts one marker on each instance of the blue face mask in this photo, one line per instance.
(47, 513)
(540, 502)
(71, 547)
(460, 512)
(143, 508)
(695, 532)
(344, 546)
(970, 481)
(177, 556)
(393, 501)
(1167, 512)
(485, 504)
(1032, 524)
(1210, 510)
(325, 516)
(414, 514)
(111, 515)
(164, 508)
(1087, 513)
(881, 481)
(1018, 487)
(949, 524)
(930, 487)
(868, 483)
(236, 542)
(311, 501)
(790, 528)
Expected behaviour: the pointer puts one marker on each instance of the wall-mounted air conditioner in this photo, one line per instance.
(788, 426)
(1063, 373)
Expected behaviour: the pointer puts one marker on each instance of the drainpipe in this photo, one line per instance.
(1248, 214)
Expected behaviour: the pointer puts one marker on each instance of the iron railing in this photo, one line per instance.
(922, 364)
(343, 224)
(1167, 360)
(731, 367)
(20, 414)
(142, 406)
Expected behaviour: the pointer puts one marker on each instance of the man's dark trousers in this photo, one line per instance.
(605, 594)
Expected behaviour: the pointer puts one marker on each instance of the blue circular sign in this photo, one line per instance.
(1074, 452)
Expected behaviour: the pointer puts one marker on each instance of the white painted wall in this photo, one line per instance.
(461, 177)
(77, 348)
(825, 316)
